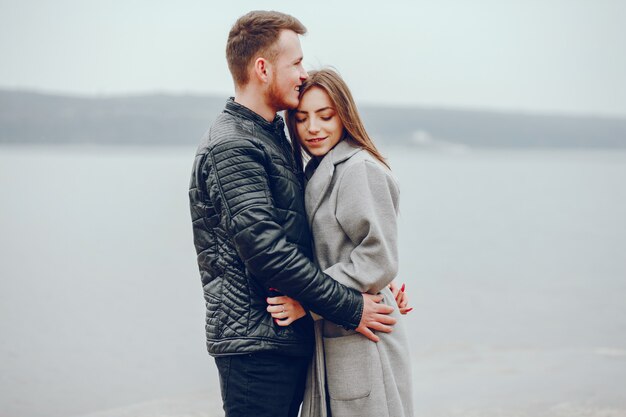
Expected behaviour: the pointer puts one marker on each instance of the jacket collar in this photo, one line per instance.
(320, 175)
(236, 109)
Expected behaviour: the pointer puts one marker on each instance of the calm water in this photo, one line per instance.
(515, 263)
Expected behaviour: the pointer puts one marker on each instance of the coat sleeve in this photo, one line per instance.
(367, 207)
(239, 186)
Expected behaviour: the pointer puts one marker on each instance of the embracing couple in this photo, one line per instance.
(297, 263)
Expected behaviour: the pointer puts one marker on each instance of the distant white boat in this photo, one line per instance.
(423, 138)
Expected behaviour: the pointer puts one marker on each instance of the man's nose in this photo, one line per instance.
(303, 75)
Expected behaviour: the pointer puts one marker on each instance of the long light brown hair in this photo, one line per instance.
(339, 93)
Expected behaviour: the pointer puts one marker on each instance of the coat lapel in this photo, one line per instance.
(322, 178)
(317, 186)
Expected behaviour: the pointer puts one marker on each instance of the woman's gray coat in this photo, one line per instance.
(351, 201)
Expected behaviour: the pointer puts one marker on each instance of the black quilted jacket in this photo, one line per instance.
(251, 234)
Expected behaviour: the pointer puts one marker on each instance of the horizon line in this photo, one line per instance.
(363, 103)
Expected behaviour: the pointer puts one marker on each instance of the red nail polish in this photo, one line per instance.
(402, 289)
(409, 309)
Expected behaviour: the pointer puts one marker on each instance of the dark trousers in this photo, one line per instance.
(262, 384)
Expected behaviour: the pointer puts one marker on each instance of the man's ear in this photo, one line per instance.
(262, 69)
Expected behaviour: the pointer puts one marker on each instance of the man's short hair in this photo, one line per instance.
(253, 34)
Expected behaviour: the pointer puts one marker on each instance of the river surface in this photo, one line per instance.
(515, 262)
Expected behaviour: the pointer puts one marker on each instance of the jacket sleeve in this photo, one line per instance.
(238, 182)
(367, 207)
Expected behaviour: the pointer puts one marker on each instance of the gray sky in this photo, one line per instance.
(558, 56)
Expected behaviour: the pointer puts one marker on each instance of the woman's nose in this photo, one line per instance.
(313, 127)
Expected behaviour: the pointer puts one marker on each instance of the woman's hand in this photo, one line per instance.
(285, 310)
(401, 298)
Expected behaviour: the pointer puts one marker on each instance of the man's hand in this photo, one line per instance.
(375, 316)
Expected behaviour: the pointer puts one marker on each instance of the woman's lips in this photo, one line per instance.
(315, 140)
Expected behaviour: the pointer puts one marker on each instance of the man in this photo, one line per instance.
(251, 232)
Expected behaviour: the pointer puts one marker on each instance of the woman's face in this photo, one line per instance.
(317, 122)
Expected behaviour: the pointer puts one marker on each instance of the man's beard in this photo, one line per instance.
(275, 99)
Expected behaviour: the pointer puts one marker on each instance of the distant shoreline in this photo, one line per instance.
(180, 120)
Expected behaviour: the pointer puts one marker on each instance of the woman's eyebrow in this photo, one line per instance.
(316, 111)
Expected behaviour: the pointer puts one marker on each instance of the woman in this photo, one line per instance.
(351, 201)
